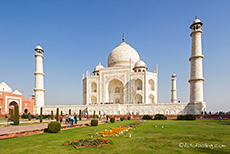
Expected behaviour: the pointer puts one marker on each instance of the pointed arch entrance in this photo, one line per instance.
(115, 92)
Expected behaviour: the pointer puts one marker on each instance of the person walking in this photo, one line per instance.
(71, 118)
(61, 117)
(75, 119)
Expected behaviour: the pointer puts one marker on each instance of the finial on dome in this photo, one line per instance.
(123, 38)
(99, 63)
(195, 17)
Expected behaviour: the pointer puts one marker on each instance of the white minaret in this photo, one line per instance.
(39, 80)
(174, 91)
(196, 69)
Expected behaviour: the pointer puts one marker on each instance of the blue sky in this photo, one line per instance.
(76, 35)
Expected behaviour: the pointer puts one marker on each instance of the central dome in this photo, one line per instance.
(121, 55)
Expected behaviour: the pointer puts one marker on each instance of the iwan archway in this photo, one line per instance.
(115, 92)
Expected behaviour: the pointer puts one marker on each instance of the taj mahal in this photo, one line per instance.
(126, 86)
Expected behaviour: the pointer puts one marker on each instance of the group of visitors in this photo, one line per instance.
(68, 119)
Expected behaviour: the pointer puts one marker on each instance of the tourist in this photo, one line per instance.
(71, 118)
(61, 117)
(220, 118)
(66, 119)
(75, 119)
(107, 117)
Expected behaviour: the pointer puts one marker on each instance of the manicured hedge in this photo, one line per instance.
(54, 127)
(160, 117)
(186, 117)
(147, 117)
(94, 122)
(129, 118)
(112, 120)
(121, 119)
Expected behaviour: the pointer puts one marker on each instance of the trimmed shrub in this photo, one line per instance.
(40, 115)
(29, 116)
(57, 115)
(52, 115)
(94, 122)
(79, 114)
(112, 120)
(11, 115)
(93, 114)
(54, 127)
(186, 117)
(61, 113)
(16, 115)
(147, 117)
(121, 119)
(160, 117)
(129, 118)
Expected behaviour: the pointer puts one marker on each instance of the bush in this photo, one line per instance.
(94, 122)
(54, 127)
(160, 117)
(69, 111)
(16, 115)
(121, 119)
(186, 117)
(129, 118)
(147, 117)
(112, 120)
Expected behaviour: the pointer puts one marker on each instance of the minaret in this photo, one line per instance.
(196, 69)
(39, 80)
(174, 91)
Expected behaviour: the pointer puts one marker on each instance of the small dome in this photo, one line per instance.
(196, 21)
(6, 88)
(140, 64)
(17, 92)
(98, 67)
(173, 75)
(121, 55)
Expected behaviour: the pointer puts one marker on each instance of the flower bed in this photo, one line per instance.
(92, 143)
(114, 131)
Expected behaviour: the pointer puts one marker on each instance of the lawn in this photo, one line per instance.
(147, 138)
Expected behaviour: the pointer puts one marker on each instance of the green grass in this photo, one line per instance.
(145, 139)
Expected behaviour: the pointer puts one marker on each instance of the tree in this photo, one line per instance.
(52, 114)
(61, 113)
(93, 114)
(57, 115)
(11, 115)
(69, 111)
(79, 114)
(87, 115)
(99, 115)
(29, 116)
(16, 115)
(41, 115)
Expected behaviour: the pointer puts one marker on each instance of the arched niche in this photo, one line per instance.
(93, 100)
(151, 85)
(138, 84)
(138, 99)
(93, 87)
(151, 99)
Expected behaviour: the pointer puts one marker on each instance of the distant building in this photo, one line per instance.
(9, 98)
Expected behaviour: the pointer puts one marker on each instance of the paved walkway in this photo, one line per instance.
(25, 128)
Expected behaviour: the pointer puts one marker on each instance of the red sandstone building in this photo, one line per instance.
(9, 98)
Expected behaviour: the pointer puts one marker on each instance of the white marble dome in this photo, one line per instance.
(140, 64)
(6, 88)
(121, 55)
(17, 92)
